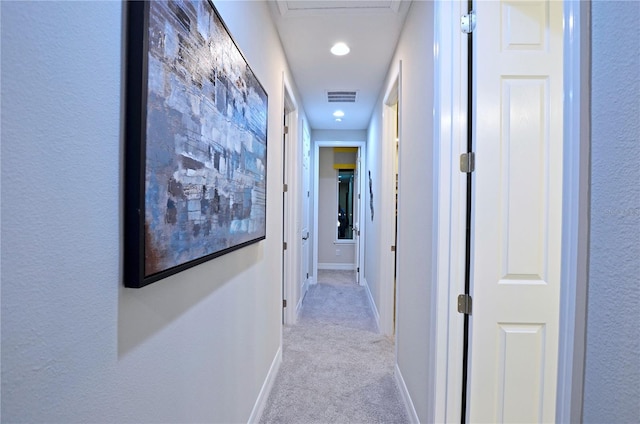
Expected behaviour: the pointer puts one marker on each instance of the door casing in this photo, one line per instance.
(450, 141)
(291, 230)
(305, 271)
(316, 166)
(387, 318)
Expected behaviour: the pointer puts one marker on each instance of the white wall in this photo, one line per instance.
(372, 249)
(380, 184)
(338, 135)
(415, 265)
(612, 363)
(415, 275)
(76, 345)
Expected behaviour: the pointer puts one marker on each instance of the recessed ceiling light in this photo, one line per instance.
(338, 119)
(338, 114)
(340, 49)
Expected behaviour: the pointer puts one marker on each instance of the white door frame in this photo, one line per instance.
(316, 167)
(575, 225)
(450, 54)
(305, 197)
(450, 119)
(388, 202)
(292, 256)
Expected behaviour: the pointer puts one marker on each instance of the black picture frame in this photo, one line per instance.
(195, 141)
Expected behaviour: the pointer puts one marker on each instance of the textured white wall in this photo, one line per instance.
(338, 135)
(612, 363)
(379, 259)
(415, 267)
(372, 255)
(76, 345)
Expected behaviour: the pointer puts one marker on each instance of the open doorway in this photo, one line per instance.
(337, 207)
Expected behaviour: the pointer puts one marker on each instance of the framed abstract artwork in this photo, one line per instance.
(196, 141)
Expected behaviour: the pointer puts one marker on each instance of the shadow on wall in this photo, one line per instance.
(143, 312)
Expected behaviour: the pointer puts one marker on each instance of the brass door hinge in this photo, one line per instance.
(467, 162)
(464, 304)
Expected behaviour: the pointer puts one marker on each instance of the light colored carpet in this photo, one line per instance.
(336, 368)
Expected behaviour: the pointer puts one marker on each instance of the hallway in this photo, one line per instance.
(336, 366)
(207, 344)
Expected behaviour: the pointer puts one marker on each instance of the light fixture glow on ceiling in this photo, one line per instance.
(338, 114)
(340, 49)
(338, 119)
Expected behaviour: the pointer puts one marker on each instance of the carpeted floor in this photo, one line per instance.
(336, 368)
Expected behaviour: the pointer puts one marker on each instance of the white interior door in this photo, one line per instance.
(516, 211)
(306, 210)
(285, 214)
(356, 214)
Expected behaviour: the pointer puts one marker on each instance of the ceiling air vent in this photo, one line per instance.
(342, 96)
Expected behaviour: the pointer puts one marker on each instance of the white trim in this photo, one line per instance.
(450, 119)
(316, 166)
(305, 287)
(306, 221)
(575, 208)
(388, 200)
(406, 397)
(450, 58)
(337, 266)
(292, 257)
(261, 401)
(345, 241)
(372, 303)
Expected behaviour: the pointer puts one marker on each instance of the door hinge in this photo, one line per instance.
(307, 275)
(286, 130)
(393, 248)
(284, 245)
(468, 22)
(358, 269)
(467, 162)
(464, 304)
(285, 188)
(284, 303)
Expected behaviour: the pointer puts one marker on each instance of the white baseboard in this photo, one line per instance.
(337, 267)
(305, 289)
(261, 402)
(372, 303)
(408, 403)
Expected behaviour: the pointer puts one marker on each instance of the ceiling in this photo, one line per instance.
(308, 29)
